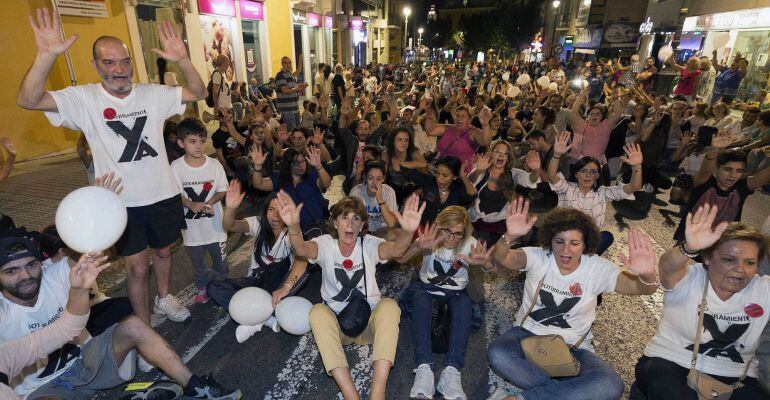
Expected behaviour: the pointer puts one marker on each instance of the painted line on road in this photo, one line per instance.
(213, 330)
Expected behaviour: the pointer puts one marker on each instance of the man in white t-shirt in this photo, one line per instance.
(123, 124)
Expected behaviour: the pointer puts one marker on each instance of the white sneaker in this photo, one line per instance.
(648, 188)
(272, 323)
(170, 306)
(143, 365)
(499, 394)
(423, 383)
(244, 332)
(449, 384)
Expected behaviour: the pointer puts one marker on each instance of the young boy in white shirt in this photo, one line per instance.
(203, 183)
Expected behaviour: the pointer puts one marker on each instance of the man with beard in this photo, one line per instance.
(31, 298)
(123, 124)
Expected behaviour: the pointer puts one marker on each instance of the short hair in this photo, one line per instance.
(305, 132)
(373, 164)
(731, 156)
(451, 162)
(567, 219)
(549, 116)
(104, 38)
(535, 134)
(345, 206)
(740, 231)
(375, 150)
(50, 242)
(190, 126)
(452, 216)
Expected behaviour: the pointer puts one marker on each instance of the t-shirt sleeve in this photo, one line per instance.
(280, 81)
(560, 187)
(537, 259)
(69, 102)
(325, 245)
(605, 275)
(616, 192)
(372, 249)
(169, 100)
(390, 198)
(216, 78)
(253, 225)
(521, 177)
(743, 187)
(221, 177)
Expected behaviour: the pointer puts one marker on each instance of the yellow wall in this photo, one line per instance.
(280, 32)
(30, 130)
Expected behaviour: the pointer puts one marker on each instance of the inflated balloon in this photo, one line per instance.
(251, 306)
(665, 52)
(523, 79)
(721, 40)
(293, 315)
(553, 86)
(91, 218)
(513, 92)
(544, 81)
(506, 76)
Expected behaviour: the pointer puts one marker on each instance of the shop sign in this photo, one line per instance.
(619, 33)
(83, 8)
(299, 17)
(217, 7)
(251, 10)
(569, 39)
(588, 37)
(328, 21)
(313, 19)
(356, 23)
(359, 36)
(752, 18)
(645, 28)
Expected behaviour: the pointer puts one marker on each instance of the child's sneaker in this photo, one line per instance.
(202, 296)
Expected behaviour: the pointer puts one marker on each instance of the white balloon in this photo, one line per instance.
(91, 218)
(544, 81)
(523, 79)
(721, 40)
(506, 76)
(665, 52)
(293, 315)
(553, 86)
(513, 92)
(251, 306)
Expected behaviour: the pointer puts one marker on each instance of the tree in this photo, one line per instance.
(507, 27)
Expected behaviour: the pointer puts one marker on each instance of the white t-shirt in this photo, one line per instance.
(373, 208)
(125, 135)
(200, 185)
(19, 321)
(566, 304)
(737, 323)
(334, 273)
(224, 100)
(444, 269)
(280, 250)
(358, 159)
(370, 83)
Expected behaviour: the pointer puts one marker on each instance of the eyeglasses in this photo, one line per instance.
(589, 172)
(297, 162)
(456, 235)
(500, 152)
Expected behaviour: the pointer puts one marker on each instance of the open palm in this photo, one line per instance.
(561, 145)
(289, 212)
(48, 34)
(174, 49)
(641, 258)
(234, 196)
(479, 255)
(699, 230)
(409, 218)
(84, 273)
(518, 221)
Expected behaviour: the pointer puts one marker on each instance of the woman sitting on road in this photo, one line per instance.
(403, 162)
(446, 248)
(564, 278)
(379, 199)
(592, 134)
(735, 298)
(348, 261)
(447, 187)
(463, 139)
(271, 259)
(582, 193)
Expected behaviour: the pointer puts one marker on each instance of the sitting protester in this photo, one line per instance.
(379, 199)
(448, 186)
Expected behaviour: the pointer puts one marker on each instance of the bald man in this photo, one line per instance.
(123, 124)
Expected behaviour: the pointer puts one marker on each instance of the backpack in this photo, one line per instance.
(210, 89)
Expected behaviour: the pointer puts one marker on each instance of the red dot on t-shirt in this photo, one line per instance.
(109, 113)
(753, 310)
(576, 289)
(347, 264)
(207, 186)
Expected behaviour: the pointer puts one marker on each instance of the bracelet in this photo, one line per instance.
(382, 203)
(555, 158)
(294, 233)
(656, 283)
(686, 252)
(507, 242)
(287, 284)
(636, 170)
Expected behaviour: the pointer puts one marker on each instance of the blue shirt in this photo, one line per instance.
(314, 209)
(727, 82)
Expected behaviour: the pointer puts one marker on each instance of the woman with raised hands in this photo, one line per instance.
(348, 261)
(564, 278)
(719, 344)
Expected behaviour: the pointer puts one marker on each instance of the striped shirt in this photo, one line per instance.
(286, 102)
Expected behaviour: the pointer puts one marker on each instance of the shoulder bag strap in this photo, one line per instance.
(701, 314)
(363, 259)
(534, 300)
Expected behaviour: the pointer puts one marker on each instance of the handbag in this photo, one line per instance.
(354, 318)
(706, 386)
(550, 352)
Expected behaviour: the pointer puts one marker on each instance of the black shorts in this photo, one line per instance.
(156, 225)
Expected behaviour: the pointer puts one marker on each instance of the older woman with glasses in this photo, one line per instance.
(582, 193)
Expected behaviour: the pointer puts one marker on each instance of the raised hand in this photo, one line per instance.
(479, 254)
(288, 211)
(318, 137)
(313, 156)
(687, 138)
(641, 259)
(699, 230)
(428, 237)
(517, 220)
(174, 49)
(48, 34)
(409, 218)
(485, 116)
(533, 161)
(109, 182)
(483, 161)
(721, 139)
(283, 133)
(562, 145)
(257, 156)
(234, 196)
(84, 273)
(8, 145)
(633, 155)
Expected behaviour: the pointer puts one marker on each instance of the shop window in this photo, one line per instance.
(252, 51)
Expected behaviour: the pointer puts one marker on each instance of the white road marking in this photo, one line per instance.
(212, 331)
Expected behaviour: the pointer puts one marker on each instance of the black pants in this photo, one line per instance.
(107, 313)
(659, 379)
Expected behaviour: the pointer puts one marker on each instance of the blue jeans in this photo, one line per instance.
(422, 315)
(605, 241)
(291, 119)
(596, 380)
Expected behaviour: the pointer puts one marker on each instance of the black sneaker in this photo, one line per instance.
(157, 391)
(205, 387)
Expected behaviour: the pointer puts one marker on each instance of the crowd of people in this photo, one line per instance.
(460, 169)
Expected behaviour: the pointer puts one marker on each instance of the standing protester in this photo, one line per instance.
(220, 87)
(729, 78)
(287, 92)
(123, 124)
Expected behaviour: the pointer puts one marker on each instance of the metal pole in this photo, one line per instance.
(71, 70)
(406, 33)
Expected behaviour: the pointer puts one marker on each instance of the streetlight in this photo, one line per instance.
(586, 3)
(419, 39)
(407, 13)
(555, 4)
